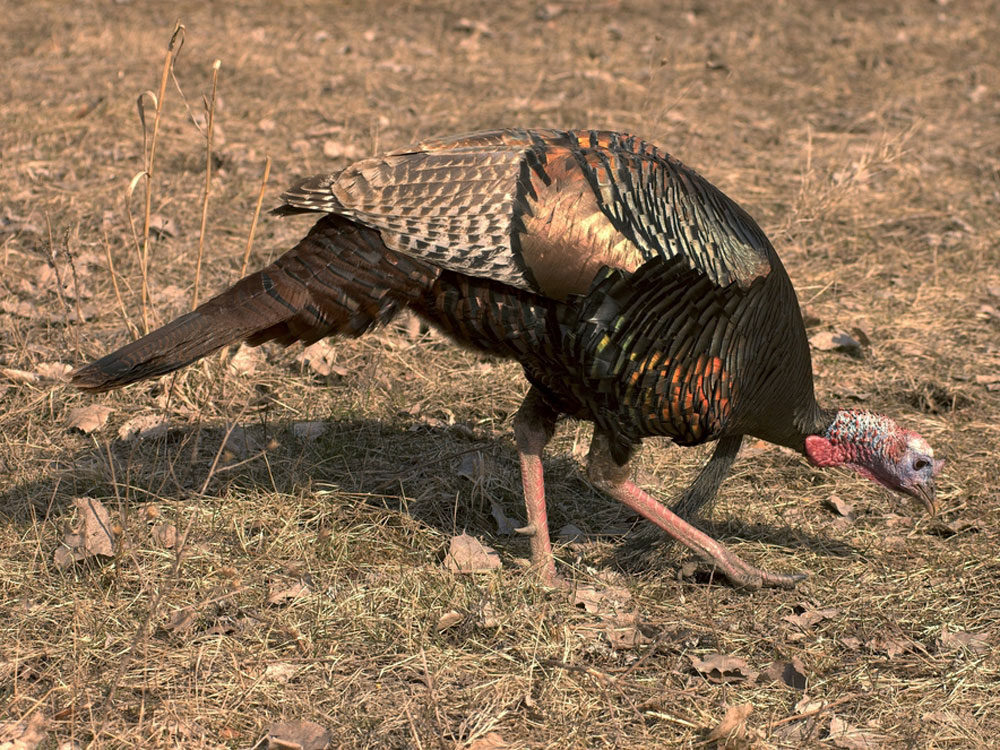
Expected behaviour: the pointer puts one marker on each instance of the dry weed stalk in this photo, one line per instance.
(256, 214)
(149, 149)
(114, 284)
(210, 127)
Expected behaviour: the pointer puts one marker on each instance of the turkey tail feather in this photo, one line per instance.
(339, 280)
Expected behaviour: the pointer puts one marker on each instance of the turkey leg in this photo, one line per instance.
(534, 424)
(614, 479)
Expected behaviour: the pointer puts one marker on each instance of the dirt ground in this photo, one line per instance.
(278, 534)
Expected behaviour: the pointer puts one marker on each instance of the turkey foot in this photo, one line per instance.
(612, 477)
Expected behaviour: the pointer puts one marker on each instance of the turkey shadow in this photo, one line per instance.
(648, 548)
(448, 477)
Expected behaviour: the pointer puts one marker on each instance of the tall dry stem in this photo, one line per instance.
(176, 38)
(210, 106)
(256, 215)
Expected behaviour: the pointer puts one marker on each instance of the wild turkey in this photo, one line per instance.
(633, 292)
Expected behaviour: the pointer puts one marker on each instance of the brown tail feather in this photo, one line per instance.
(340, 279)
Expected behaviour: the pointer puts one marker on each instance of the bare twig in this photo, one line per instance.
(55, 268)
(601, 677)
(813, 712)
(413, 729)
(218, 453)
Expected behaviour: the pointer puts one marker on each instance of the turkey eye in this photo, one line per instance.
(920, 463)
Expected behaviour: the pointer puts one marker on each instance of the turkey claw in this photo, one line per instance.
(755, 578)
(742, 575)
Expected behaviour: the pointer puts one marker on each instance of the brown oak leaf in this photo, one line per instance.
(466, 554)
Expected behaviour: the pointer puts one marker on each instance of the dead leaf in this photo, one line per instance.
(47, 279)
(840, 507)
(943, 717)
(143, 427)
(472, 467)
(321, 357)
(471, 45)
(334, 149)
(282, 592)
(861, 336)
(87, 419)
(298, 735)
(165, 535)
(487, 616)
(896, 521)
(844, 735)
(91, 536)
(731, 732)
(241, 442)
(245, 361)
(21, 309)
(600, 600)
(808, 705)
(891, 647)
(803, 725)
(977, 643)
(449, 619)
(467, 555)
(491, 741)
(58, 371)
(505, 524)
(478, 27)
(988, 312)
(18, 376)
(308, 430)
(82, 707)
(228, 734)
(11, 224)
(807, 616)
(429, 423)
(226, 627)
(721, 668)
(791, 673)
(937, 527)
(831, 341)
(23, 734)
(623, 631)
(548, 11)
(162, 226)
(570, 533)
(281, 672)
(181, 619)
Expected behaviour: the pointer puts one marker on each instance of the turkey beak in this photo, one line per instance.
(927, 494)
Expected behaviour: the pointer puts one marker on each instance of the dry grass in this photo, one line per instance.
(863, 136)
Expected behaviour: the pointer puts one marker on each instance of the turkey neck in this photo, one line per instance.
(810, 420)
